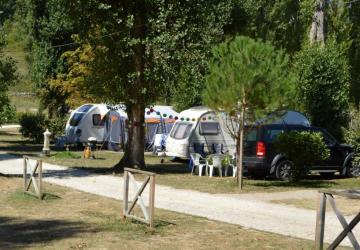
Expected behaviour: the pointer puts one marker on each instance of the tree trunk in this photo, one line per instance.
(317, 32)
(239, 148)
(134, 150)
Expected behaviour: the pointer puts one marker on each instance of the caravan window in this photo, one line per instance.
(76, 119)
(97, 120)
(181, 130)
(85, 108)
(209, 128)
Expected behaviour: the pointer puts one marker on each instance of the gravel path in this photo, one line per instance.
(243, 210)
(299, 194)
(10, 126)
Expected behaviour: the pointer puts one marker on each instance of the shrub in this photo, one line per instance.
(8, 114)
(352, 134)
(57, 126)
(323, 86)
(303, 149)
(33, 126)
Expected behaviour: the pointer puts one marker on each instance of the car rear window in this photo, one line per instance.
(250, 134)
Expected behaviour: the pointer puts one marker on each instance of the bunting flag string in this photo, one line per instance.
(169, 116)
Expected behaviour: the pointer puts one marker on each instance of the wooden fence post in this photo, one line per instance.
(37, 182)
(320, 222)
(25, 174)
(147, 212)
(40, 194)
(126, 193)
(152, 200)
(347, 227)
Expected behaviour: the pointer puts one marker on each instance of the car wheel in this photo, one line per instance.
(352, 170)
(283, 170)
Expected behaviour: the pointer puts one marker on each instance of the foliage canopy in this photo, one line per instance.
(250, 73)
(324, 86)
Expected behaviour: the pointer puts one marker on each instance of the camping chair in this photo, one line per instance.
(214, 161)
(232, 164)
(159, 143)
(199, 148)
(217, 148)
(198, 161)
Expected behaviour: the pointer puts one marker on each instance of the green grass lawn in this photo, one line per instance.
(24, 103)
(19, 55)
(70, 219)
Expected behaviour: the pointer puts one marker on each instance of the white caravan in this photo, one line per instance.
(198, 126)
(86, 121)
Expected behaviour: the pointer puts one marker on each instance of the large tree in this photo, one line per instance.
(284, 23)
(44, 25)
(247, 79)
(340, 21)
(8, 76)
(139, 49)
(354, 51)
(323, 84)
(7, 9)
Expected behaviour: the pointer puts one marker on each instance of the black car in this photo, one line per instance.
(261, 157)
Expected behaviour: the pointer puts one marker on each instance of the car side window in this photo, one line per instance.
(271, 134)
(328, 139)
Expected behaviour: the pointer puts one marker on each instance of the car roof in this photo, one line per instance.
(289, 126)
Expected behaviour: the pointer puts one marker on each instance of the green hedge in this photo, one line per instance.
(33, 126)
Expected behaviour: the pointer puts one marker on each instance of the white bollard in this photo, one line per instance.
(46, 148)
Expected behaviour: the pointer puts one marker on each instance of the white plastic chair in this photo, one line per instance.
(199, 162)
(232, 165)
(158, 143)
(216, 163)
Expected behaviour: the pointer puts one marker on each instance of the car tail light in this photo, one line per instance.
(260, 149)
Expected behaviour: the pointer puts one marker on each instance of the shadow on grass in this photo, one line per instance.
(94, 170)
(17, 233)
(20, 144)
(49, 196)
(168, 168)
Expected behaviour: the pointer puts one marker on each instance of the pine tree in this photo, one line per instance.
(247, 78)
